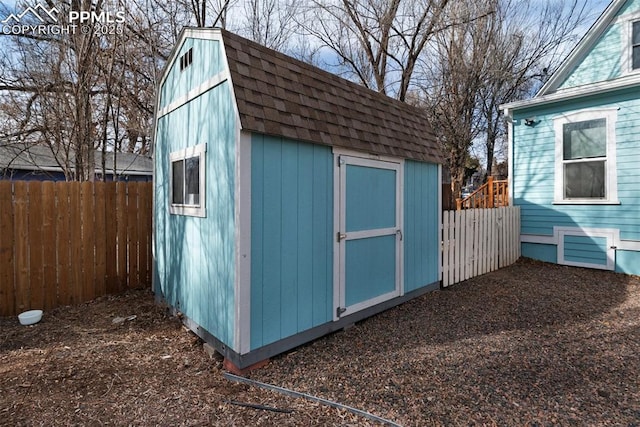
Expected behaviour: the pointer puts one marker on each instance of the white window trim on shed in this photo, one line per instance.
(611, 182)
(195, 209)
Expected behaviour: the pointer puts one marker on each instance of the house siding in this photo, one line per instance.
(194, 257)
(533, 175)
(603, 63)
(421, 225)
(291, 238)
(606, 60)
(631, 6)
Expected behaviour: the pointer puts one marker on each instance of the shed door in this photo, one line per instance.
(369, 235)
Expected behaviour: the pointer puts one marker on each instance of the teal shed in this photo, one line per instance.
(288, 202)
(574, 151)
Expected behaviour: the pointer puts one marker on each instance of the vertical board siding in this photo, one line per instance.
(207, 62)
(421, 228)
(194, 262)
(477, 241)
(291, 246)
(53, 244)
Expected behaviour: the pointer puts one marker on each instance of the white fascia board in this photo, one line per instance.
(621, 83)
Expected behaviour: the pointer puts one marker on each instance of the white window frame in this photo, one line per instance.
(611, 181)
(626, 21)
(198, 210)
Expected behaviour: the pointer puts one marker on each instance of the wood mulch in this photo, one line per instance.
(531, 344)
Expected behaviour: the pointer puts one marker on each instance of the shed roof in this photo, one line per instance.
(280, 95)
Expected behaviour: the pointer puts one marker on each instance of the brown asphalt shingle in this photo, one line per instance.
(279, 95)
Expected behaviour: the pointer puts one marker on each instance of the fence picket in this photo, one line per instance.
(132, 236)
(75, 231)
(7, 269)
(111, 270)
(100, 239)
(21, 223)
(457, 265)
(88, 241)
(49, 250)
(34, 212)
(477, 241)
(63, 245)
(444, 244)
(121, 234)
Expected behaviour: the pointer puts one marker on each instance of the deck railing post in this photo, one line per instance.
(491, 195)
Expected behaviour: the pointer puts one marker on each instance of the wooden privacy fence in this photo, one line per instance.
(477, 241)
(68, 242)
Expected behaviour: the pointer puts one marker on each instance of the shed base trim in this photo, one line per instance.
(243, 361)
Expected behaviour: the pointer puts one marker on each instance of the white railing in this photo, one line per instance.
(477, 241)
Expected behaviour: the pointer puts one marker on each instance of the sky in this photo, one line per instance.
(596, 6)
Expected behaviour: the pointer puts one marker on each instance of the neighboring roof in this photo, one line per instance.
(279, 95)
(548, 92)
(40, 157)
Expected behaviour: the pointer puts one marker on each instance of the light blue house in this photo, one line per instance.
(289, 202)
(575, 151)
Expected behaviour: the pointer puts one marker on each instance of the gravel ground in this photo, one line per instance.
(531, 344)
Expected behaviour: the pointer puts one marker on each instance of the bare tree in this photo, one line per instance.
(527, 45)
(378, 43)
(52, 79)
(271, 23)
(457, 72)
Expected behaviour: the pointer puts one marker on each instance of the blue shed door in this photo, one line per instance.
(368, 240)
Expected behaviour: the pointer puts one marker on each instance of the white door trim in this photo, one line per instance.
(341, 159)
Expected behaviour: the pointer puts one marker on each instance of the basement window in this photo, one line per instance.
(188, 181)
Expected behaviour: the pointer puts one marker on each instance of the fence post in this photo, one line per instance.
(491, 195)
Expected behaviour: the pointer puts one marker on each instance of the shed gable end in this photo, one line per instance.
(195, 61)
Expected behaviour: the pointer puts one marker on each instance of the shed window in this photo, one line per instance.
(187, 181)
(585, 157)
(186, 59)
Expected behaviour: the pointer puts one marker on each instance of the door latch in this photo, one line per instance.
(341, 236)
(339, 311)
(399, 232)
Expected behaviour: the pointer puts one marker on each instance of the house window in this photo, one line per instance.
(187, 181)
(186, 59)
(635, 45)
(585, 157)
